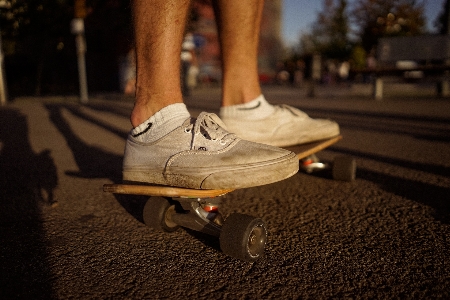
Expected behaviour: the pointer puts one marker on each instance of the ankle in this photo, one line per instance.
(256, 109)
(148, 103)
(233, 93)
(139, 115)
(161, 123)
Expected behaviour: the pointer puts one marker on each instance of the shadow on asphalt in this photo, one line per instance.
(433, 196)
(430, 195)
(27, 181)
(92, 162)
(383, 122)
(428, 167)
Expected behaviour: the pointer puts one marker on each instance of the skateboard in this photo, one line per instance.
(240, 236)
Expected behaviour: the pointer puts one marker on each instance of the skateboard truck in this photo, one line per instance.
(240, 236)
(169, 208)
(197, 216)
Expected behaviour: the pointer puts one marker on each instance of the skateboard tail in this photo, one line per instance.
(314, 147)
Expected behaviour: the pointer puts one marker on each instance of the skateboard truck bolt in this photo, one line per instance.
(211, 208)
(307, 161)
(311, 163)
(213, 213)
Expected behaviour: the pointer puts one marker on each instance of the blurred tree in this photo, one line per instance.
(19, 18)
(380, 18)
(109, 38)
(442, 23)
(33, 31)
(330, 33)
(40, 55)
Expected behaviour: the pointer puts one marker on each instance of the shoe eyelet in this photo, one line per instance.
(187, 130)
(223, 143)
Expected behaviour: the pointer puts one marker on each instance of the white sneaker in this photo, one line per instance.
(201, 154)
(284, 126)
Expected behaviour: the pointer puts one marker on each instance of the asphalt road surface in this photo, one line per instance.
(385, 235)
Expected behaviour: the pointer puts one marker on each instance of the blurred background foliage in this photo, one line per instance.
(40, 55)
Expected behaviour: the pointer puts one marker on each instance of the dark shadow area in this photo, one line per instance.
(419, 127)
(27, 181)
(430, 195)
(428, 167)
(207, 240)
(380, 115)
(433, 196)
(416, 131)
(133, 204)
(427, 194)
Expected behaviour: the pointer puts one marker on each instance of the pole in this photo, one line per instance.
(3, 87)
(316, 73)
(81, 50)
(78, 30)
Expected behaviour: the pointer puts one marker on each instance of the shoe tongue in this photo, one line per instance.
(218, 121)
(209, 120)
(211, 124)
(211, 127)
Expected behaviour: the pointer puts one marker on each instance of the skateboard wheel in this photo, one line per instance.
(344, 168)
(157, 214)
(243, 237)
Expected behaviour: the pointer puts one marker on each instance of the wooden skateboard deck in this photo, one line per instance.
(302, 151)
(163, 191)
(305, 150)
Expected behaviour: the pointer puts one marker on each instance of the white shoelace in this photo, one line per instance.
(211, 127)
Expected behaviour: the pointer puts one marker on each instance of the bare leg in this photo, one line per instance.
(166, 146)
(239, 24)
(159, 28)
(239, 27)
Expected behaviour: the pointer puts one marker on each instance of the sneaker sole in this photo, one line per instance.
(232, 178)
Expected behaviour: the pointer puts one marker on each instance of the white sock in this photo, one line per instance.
(161, 123)
(256, 109)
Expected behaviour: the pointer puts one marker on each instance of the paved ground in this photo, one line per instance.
(385, 235)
